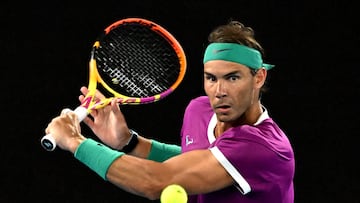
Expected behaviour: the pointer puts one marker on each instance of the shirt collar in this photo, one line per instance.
(263, 116)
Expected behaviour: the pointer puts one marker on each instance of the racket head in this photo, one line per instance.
(138, 61)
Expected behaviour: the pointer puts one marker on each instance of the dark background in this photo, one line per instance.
(313, 89)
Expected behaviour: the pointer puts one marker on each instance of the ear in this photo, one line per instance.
(260, 77)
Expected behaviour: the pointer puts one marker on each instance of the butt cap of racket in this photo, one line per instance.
(48, 142)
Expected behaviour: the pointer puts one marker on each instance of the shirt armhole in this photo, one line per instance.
(241, 184)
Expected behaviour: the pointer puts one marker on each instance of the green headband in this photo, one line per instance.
(235, 53)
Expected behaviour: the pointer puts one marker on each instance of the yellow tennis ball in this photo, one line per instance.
(173, 194)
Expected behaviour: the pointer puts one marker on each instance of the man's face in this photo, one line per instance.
(231, 89)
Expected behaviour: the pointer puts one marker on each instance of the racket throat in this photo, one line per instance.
(89, 103)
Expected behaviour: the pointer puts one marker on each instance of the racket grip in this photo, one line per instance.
(48, 142)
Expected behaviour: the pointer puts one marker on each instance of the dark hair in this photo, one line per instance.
(235, 32)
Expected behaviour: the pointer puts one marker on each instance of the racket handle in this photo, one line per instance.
(48, 142)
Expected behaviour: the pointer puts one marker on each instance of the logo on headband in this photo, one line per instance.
(216, 51)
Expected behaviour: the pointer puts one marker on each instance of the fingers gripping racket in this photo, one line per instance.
(137, 61)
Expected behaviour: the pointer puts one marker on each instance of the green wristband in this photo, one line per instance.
(160, 151)
(96, 156)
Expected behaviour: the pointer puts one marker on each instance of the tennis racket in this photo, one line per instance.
(136, 61)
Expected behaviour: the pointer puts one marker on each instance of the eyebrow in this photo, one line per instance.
(226, 75)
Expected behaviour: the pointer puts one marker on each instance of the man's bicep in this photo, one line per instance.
(199, 171)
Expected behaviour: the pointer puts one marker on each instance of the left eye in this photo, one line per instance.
(233, 78)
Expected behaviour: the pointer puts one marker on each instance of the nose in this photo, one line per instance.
(220, 90)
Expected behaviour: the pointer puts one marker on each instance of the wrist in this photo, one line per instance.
(132, 143)
(96, 156)
(76, 143)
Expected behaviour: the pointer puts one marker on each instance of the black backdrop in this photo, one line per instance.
(313, 89)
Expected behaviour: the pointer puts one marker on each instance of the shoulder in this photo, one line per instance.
(198, 102)
(200, 99)
(199, 107)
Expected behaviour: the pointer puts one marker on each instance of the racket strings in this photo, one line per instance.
(136, 61)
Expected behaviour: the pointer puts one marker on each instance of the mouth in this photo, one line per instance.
(222, 108)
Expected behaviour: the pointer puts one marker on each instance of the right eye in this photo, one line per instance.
(210, 78)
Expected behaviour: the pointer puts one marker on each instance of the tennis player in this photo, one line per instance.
(231, 149)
